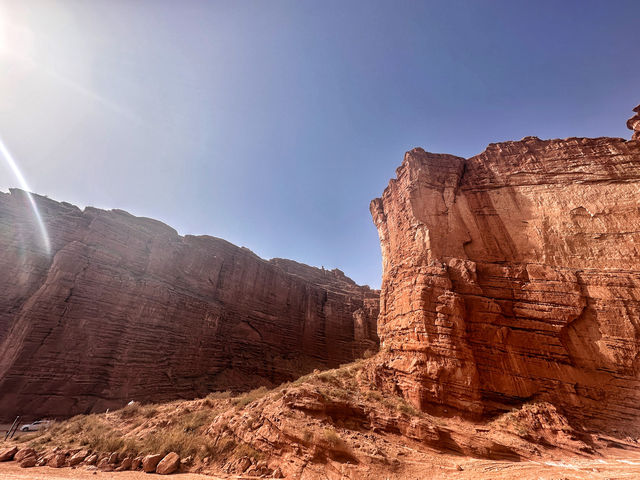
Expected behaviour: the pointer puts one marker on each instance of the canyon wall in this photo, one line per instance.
(514, 276)
(123, 308)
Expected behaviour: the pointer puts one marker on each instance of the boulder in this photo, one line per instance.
(150, 462)
(125, 465)
(169, 464)
(78, 458)
(91, 459)
(58, 460)
(24, 453)
(104, 465)
(8, 453)
(28, 461)
(136, 463)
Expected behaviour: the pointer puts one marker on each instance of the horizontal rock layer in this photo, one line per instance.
(514, 276)
(123, 308)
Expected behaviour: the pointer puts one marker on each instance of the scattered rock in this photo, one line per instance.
(29, 461)
(78, 458)
(7, 454)
(135, 464)
(58, 460)
(104, 465)
(169, 464)
(150, 462)
(24, 453)
(125, 465)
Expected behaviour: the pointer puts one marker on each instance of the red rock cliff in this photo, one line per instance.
(125, 308)
(514, 276)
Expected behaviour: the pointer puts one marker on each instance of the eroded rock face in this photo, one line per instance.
(514, 276)
(634, 124)
(124, 308)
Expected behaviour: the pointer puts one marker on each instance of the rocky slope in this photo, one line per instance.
(125, 308)
(333, 424)
(514, 276)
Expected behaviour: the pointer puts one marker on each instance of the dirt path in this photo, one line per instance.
(11, 471)
(618, 466)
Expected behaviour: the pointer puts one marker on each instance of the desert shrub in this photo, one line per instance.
(219, 395)
(249, 397)
(246, 450)
(220, 448)
(332, 437)
(407, 408)
(301, 380)
(338, 448)
(172, 439)
(150, 411)
(129, 411)
(373, 395)
(194, 420)
(307, 436)
(368, 353)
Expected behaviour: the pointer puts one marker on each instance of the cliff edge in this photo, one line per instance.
(514, 276)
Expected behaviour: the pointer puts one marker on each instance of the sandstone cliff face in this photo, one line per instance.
(514, 276)
(124, 308)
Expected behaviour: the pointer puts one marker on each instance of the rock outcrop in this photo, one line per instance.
(514, 276)
(634, 124)
(124, 308)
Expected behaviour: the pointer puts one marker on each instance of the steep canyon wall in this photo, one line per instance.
(514, 276)
(123, 308)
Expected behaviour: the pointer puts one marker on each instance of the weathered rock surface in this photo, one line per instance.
(28, 462)
(125, 308)
(8, 453)
(24, 453)
(150, 462)
(78, 457)
(169, 464)
(58, 460)
(634, 124)
(514, 276)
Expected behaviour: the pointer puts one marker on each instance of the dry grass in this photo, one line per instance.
(250, 397)
(183, 426)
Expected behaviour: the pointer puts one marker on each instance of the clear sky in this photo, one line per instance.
(272, 124)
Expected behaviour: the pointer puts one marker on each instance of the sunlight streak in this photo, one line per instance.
(6, 154)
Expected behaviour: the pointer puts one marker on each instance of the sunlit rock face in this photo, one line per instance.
(514, 276)
(125, 308)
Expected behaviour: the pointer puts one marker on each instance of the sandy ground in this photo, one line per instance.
(11, 471)
(619, 465)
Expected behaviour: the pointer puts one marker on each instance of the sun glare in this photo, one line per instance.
(6, 154)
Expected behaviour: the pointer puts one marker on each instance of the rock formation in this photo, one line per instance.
(514, 276)
(125, 308)
(634, 124)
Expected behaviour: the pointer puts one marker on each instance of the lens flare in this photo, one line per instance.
(6, 154)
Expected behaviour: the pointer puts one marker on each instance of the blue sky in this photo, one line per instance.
(273, 124)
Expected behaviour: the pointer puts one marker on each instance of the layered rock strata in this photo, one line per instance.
(514, 276)
(123, 308)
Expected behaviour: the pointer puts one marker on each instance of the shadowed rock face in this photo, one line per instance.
(514, 276)
(124, 308)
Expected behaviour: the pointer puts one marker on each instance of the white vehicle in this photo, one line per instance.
(35, 426)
